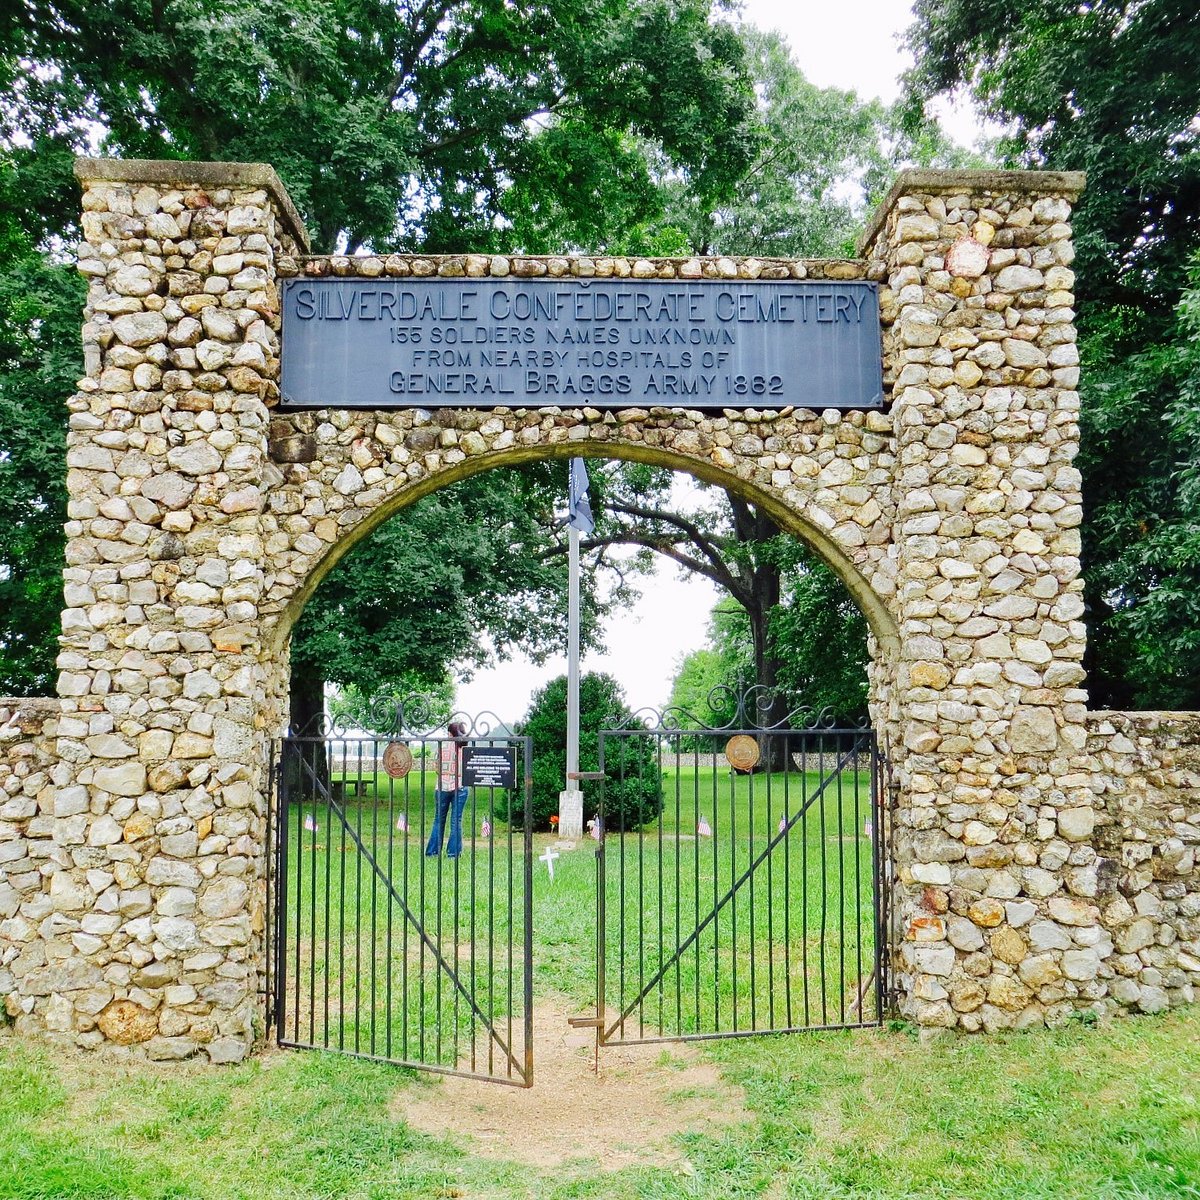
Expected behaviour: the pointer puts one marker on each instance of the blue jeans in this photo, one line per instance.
(444, 801)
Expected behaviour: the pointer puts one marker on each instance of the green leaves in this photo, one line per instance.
(40, 305)
(1142, 427)
(821, 158)
(395, 125)
(817, 644)
(415, 598)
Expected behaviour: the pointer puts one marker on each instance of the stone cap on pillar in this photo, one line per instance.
(168, 172)
(1067, 184)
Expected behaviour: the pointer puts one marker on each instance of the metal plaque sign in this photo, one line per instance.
(616, 343)
(490, 766)
(397, 760)
(742, 752)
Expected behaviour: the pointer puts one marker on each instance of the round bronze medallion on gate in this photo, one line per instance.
(742, 752)
(397, 760)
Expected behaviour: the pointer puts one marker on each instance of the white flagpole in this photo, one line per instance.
(573, 664)
(570, 800)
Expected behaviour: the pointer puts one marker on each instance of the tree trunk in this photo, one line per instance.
(307, 767)
(773, 713)
(306, 704)
(762, 595)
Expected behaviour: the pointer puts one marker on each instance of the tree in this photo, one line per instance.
(633, 783)
(393, 124)
(1111, 87)
(697, 676)
(40, 359)
(708, 680)
(821, 636)
(725, 538)
(1150, 587)
(817, 636)
(825, 159)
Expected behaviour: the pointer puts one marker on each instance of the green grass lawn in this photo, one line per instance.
(690, 790)
(1107, 1113)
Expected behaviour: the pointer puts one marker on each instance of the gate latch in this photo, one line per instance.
(585, 1022)
(587, 776)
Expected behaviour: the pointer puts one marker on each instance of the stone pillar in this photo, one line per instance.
(156, 882)
(997, 879)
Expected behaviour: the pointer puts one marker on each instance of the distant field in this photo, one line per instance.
(689, 793)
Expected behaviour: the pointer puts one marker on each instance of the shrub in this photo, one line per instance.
(633, 789)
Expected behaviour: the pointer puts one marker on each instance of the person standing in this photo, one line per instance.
(450, 796)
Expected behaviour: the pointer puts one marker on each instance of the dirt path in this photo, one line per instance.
(623, 1117)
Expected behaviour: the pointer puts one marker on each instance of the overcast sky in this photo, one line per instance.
(849, 44)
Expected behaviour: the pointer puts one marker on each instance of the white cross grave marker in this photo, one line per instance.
(548, 856)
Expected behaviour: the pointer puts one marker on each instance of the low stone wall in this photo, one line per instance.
(1147, 779)
(1100, 914)
(28, 844)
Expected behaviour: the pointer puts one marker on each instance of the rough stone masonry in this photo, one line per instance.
(1044, 856)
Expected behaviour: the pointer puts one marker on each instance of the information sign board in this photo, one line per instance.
(490, 766)
(615, 343)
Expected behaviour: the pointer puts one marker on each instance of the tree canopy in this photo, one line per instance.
(461, 578)
(816, 635)
(40, 305)
(786, 623)
(824, 158)
(395, 123)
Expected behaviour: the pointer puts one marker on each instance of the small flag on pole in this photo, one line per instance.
(579, 509)
(703, 828)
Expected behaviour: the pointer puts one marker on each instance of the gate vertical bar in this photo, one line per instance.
(880, 831)
(601, 906)
(282, 825)
(270, 852)
(528, 948)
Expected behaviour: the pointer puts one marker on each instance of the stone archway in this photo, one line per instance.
(686, 445)
(200, 518)
(833, 463)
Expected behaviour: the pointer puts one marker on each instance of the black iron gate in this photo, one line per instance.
(741, 876)
(402, 906)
